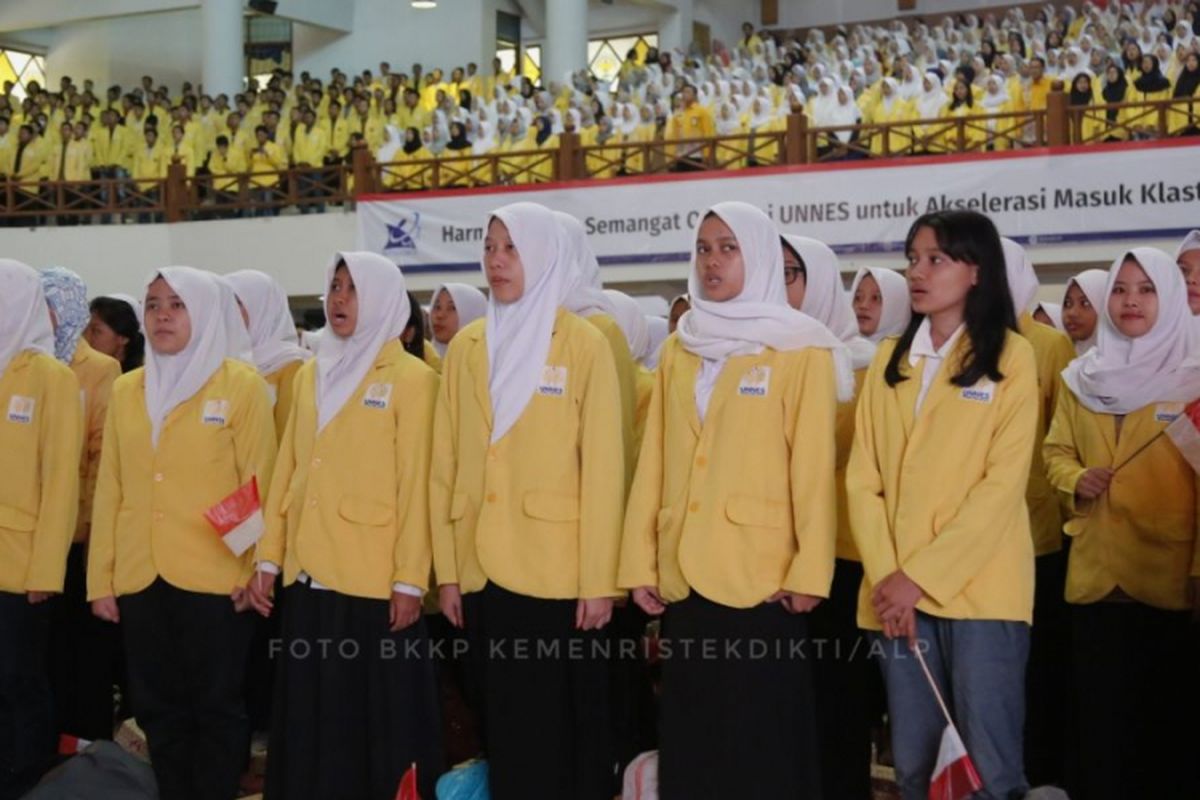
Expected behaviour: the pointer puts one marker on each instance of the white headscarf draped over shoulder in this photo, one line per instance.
(272, 330)
(632, 323)
(760, 316)
(383, 309)
(24, 319)
(583, 290)
(518, 333)
(1120, 375)
(239, 336)
(826, 301)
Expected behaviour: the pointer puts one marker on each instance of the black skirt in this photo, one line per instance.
(355, 705)
(737, 712)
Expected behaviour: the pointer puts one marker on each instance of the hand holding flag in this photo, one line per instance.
(238, 519)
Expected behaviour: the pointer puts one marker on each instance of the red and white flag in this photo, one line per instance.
(954, 777)
(238, 519)
(70, 745)
(1184, 432)
(407, 790)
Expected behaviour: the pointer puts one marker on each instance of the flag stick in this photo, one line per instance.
(932, 684)
(1138, 452)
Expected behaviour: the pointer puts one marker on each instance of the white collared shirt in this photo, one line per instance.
(922, 348)
(271, 568)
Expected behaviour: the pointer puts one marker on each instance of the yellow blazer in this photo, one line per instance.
(843, 433)
(1140, 535)
(40, 439)
(645, 390)
(539, 511)
(626, 383)
(742, 505)
(941, 494)
(96, 373)
(148, 515)
(432, 358)
(1052, 350)
(349, 505)
(281, 388)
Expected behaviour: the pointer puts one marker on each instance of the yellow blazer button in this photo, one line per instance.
(701, 462)
(491, 498)
(695, 506)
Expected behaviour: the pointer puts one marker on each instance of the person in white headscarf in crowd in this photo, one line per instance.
(273, 339)
(1133, 577)
(659, 329)
(1083, 301)
(1187, 256)
(1050, 315)
(236, 320)
(526, 491)
(83, 648)
(745, 380)
(354, 554)
(880, 300)
(160, 569)
(633, 325)
(40, 442)
(454, 307)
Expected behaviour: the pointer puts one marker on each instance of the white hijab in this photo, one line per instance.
(1022, 280)
(469, 303)
(1054, 312)
(24, 316)
(1189, 243)
(930, 103)
(383, 309)
(174, 379)
(826, 301)
(760, 316)
(1120, 375)
(518, 333)
(272, 330)
(658, 330)
(896, 311)
(1092, 283)
(583, 292)
(632, 323)
(240, 346)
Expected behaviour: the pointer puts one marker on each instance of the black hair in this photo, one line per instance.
(416, 323)
(222, 140)
(970, 237)
(119, 315)
(799, 259)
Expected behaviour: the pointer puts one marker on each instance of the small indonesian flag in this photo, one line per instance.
(238, 518)
(407, 790)
(70, 745)
(1184, 431)
(954, 777)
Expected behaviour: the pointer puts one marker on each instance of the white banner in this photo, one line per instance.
(1091, 193)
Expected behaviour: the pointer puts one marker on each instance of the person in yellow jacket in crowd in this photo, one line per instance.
(944, 435)
(267, 160)
(1184, 113)
(77, 163)
(155, 564)
(309, 149)
(337, 131)
(149, 169)
(1046, 672)
(693, 121)
(730, 528)
(29, 156)
(226, 165)
(538, 167)
(636, 331)
(526, 548)
(83, 648)
(40, 439)
(348, 527)
(403, 177)
(891, 108)
(1081, 96)
(1133, 573)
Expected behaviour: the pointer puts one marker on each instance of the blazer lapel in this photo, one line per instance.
(477, 365)
(687, 366)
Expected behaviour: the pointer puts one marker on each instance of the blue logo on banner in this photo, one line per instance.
(405, 233)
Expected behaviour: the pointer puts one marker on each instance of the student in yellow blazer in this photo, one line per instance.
(525, 503)
(843, 673)
(454, 306)
(1182, 116)
(943, 439)
(40, 441)
(1046, 673)
(1133, 574)
(83, 648)
(348, 523)
(182, 434)
(730, 529)
(636, 330)
(1150, 86)
(890, 108)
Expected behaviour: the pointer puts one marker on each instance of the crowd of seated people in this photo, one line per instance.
(869, 90)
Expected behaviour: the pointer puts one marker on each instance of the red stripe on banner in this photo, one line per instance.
(791, 169)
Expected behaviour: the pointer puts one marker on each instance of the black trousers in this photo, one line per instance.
(84, 650)
(1134, 689)
(849, 689)
(737, 716)
(1047, 676)
(187, 664)
(27, 741)
(546, 698)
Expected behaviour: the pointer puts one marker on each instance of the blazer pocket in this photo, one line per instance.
(756, 512)
(552, 506)
(364, 511)
(14, 519)
(1171, 527)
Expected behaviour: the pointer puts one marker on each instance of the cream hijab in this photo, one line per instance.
(272, 330)
(632, 323)
(826, 301)
(897, 307)
(383, 309)
(760, 316)
(518, 333)
(1120, 375)
(24, 317)
(469, 303)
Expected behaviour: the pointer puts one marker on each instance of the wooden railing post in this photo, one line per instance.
(1058, 124)
(569, 157)
(364, 175)
(175, 191)
(797, 134)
